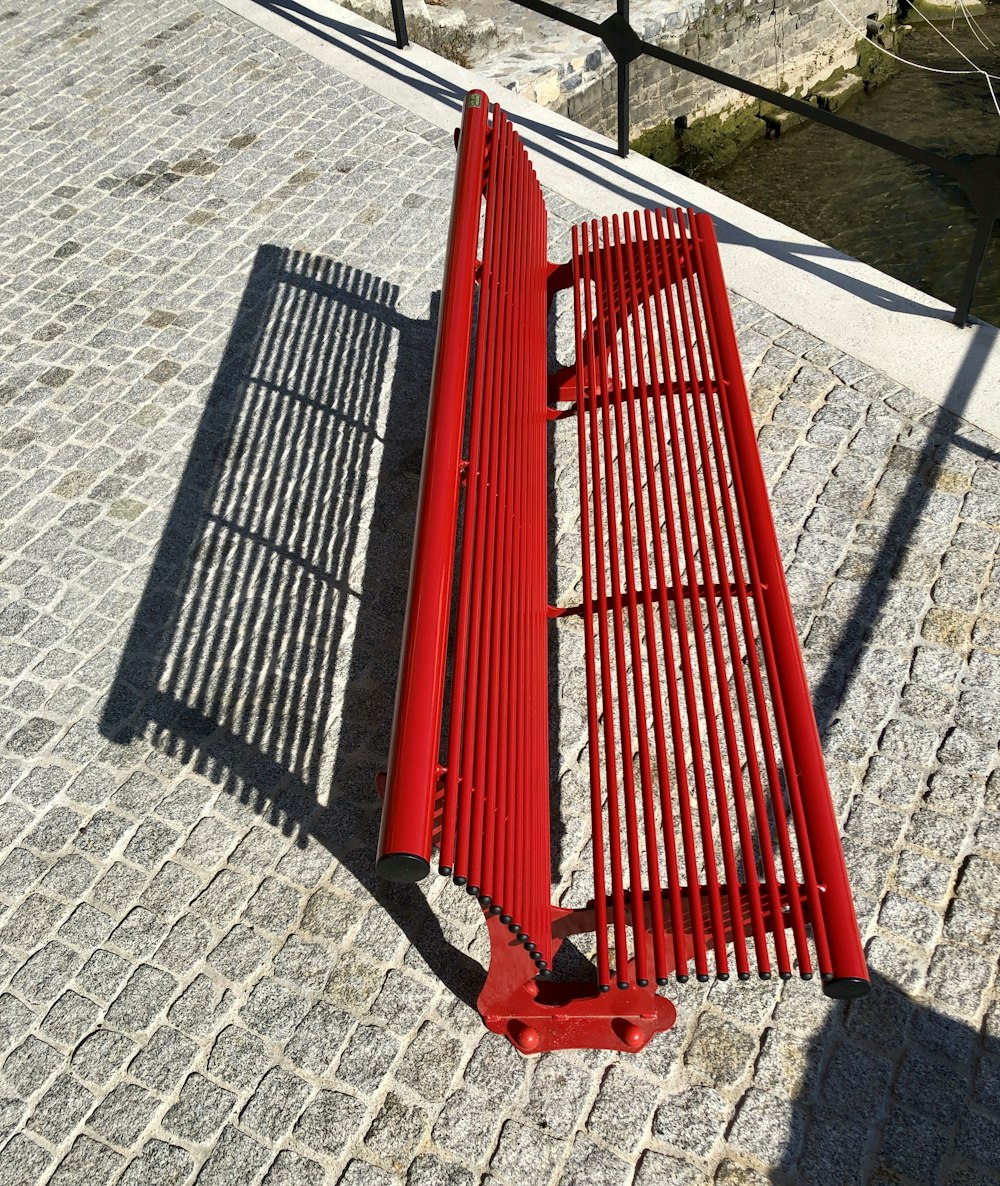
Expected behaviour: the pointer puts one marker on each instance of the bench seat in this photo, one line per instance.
(715, 844)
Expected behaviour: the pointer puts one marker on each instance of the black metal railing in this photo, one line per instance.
(978, 176)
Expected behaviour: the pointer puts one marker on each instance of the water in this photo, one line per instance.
(869, 203)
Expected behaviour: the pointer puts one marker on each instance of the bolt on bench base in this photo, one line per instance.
(540, 1015)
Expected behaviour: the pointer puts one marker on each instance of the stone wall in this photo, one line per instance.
(780, 45)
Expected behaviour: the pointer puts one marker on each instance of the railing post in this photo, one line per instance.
(623, 91)
(399, 24)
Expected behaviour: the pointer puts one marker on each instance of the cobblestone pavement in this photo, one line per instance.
(217, 275)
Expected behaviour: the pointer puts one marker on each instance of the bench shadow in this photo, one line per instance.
(265, 645)
(892, 1090)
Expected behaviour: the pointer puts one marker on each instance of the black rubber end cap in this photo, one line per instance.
(472, 891)
(485, 901)
(742, 975)
(460, 880)
(723, 976)
(765, 975)
(702, 978)
(604, 988)
(662, 980)
(642, 983)
(402, 866)
(683, 979)
(445, 870)
(847, 988)
(513, 927)
(623, 984)
(506, 919)
(495, 910)
(785, 975)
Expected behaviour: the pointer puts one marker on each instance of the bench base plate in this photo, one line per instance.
(547, 1015)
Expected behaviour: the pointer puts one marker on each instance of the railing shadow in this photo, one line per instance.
(265, 645)
(897, 536)
(888, 1090)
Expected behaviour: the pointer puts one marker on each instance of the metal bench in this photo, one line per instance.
(716, 845)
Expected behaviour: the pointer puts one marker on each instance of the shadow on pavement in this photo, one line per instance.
(894, 1092)
(265, 646)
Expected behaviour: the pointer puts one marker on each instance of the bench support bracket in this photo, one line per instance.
(540, 1015)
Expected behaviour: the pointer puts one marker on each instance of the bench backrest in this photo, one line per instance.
(492, 821)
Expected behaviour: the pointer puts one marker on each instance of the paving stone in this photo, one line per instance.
(238, 1057)
(209, 841)
(138, 934)
(122, 1115)
(304, 964)
(24, 1162)
(200, 1111)
(32, 922)
(467, 1126)
(657, 1168)
(142, 999)
(15, 1020)
(104, 973)
(330, 1122)
(273, 1011)
(167, 1165)
(329, 915)
(623, 1109)
(428, 1062)
(558, 1094)
(370, 1052)
(525, 1155)
(691, 1119)
(28, 1066)
(292, 1169)
(240, 953)
(910, 1143)
(593, 1165)
(428, 1170)
(235, 1159)
(225, 896)
(315, 1043)
(276, 1104)
(88, 1163)
(99, 1056)
(354, 983)
(118, 888)
(363, 1173)
(397, 1131)
(200, 1007)
(19, 872)
(151, 843)
(60, 1109)
(70, 1018)
(274, 907)
(495, 1068)
(164, 1060)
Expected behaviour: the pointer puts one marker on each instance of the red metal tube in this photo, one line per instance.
(407, 815)
(846, 975)
(585, 404)
(655, 350)
(667, 445)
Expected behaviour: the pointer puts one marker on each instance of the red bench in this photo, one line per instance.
(715, 839)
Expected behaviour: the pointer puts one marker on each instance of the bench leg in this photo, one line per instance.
(539, 1015)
